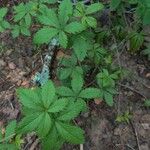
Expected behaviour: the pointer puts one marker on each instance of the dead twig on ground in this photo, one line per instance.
(136, 135)
(81, 146)
(34, 144)
(132, 89)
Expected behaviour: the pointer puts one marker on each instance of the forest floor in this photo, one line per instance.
(19, 61)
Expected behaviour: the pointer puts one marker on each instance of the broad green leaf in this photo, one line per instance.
(5, 24)
(3, 12)
(58, 105)
(48, 93)
(44, 35)
(63, 39)
(20, 12)
(64, 91)
(80, 46)
(29, 123)
(146, 18)
(25, 31)
(44, 126)
(136, 41)
(72, 110)
(1, 29)
(48, 1)
(65, 10)
(80, 10)
(28, 20)
(108, 98)
(15, 31)
(92, 22)
(50, 18)
(114, 4)
(77, 83)
(29, 98)
(90, 93)
(64, 73)
(52, 141)
(94, 8)
(74, 27)
(10, 130)
(70, 133)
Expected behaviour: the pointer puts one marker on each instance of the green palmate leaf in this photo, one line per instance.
(146, 18)
(52, 141)
(45, 125)
(4, 24)
(44, 35)
(10, 130)
(72, 110)
(63, 39)
(58, 105)
(64, 73)
(94, 8)
(108, 98)
(80, 46)
(65, 10)
(77, 83)
(114, 4)
(70, 133)
(29, 123)
(25, 31)
(28, 19)
(29, 98)
(48, 1)
(8, 146)
(50, 18)
(74, 27)
(91, 22)
(20, 12)
(64, 91)
(90, 93)
(3, 12)
(48, 93)
(136, 41)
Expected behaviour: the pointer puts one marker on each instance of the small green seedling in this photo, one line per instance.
(9, 139)
(147, 103)
(3, 23)
(125, 117)
(106, 83)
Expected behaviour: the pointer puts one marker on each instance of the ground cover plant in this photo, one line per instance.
(85, 72)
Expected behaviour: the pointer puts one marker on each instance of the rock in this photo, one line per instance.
(8, 52)
(12, 66)
(146, 126)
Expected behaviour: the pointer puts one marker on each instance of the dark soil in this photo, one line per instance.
(19, 61)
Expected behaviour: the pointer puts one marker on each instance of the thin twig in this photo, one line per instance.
(136, 135)
(128, 87)
(81, 146)
(34, 145)
(130, 146)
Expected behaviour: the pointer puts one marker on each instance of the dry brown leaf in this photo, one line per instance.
(97, 101)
